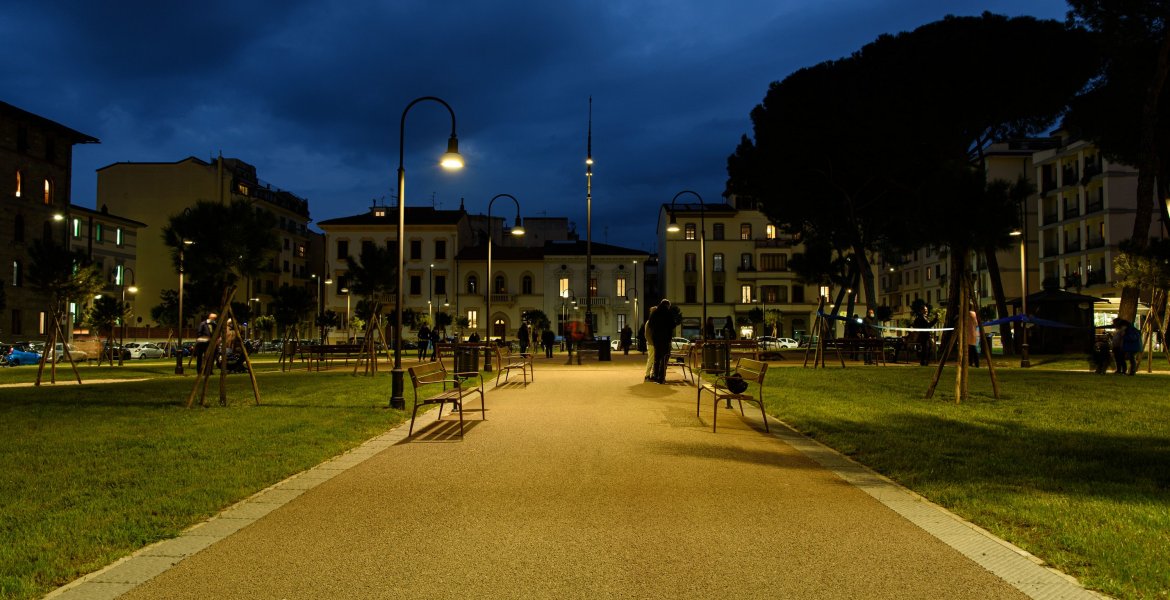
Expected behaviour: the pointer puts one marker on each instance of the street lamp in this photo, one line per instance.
(321, 304)
(673, 228)
(1022, 234)
(179, 343)
(565, 295)
(451, 160)
(517, 230)
(251, 317)
(122, 308)
(637, 316)
(349, 332)
(430, 292)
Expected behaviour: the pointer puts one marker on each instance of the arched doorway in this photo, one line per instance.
(499, 328)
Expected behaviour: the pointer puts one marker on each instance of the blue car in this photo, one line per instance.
(22, 357)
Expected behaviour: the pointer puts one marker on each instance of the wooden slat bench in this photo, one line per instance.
(317, 354)
(454, 390)
(508, 361)
(589, 347)
(752, 372)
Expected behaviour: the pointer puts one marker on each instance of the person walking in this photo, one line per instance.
(203, 339)
(646, 335)
(925, 339)
(523, 336)
(435, 339)
(548, 338)
(627, 337)
(1130, 346)
(424, 338)
(661, 330)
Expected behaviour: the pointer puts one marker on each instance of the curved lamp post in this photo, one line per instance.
(1025, 361)
(451, 160)
(673, 228)
(179, 342)
(517, 230)
(133, 290)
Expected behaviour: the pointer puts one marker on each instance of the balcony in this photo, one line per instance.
(508, 299)
(1073, 246)
(1095, 277)
(1093, 207)
(1050, 217)
(1051, 249)
(1097, 242)
(1072, 210)
(1048, 185)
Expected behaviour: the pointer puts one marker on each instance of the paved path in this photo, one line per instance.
(588, 483)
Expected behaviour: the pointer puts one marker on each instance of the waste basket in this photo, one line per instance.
(466, 359)
(603, 348)
(716, 358)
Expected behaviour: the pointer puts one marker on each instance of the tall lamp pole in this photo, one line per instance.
(348, 330)
(1025, 362)
(321, 303)
(451, 160)
(179, 342)
(673, 228)
(517, 230)
(133, 290)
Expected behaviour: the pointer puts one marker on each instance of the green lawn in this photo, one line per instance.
(92, 473)
(1072, 466)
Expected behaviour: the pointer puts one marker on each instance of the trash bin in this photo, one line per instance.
(715, 358)
(603, 348)
(466, 359)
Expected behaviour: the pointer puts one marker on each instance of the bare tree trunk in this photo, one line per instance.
(1005, 329)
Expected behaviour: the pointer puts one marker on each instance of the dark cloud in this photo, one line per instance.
(312, 92)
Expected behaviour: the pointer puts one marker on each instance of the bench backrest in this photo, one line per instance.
(428, 372)
(751, 370)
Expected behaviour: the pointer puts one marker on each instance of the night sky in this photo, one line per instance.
(311, 92)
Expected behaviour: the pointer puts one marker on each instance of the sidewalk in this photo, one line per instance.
(588, 483)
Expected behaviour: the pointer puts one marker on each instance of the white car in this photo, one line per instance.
(58, 354)
(144, 350)
(775, 343)
(677, 343)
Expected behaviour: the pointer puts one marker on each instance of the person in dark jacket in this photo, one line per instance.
(523, 336)
(547, 339)
(661, 330)
(627, 338)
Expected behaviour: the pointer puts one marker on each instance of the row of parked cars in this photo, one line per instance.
(29, 353)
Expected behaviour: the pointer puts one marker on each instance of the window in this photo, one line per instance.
(97, 232)
(621, 321)
(15, 325)
(286, 266)
(797, 294)
(48, 192)
(440, 249)
(689, 294)
(473, 318)
(717, 231)
(770, 231)
(593, 287)
(499, 328)
(76, 229)
(745, 294)
(620, 286)
(17, 274)
(415, 249)
(774, 294)
(300, 250)
(526, 284)
(367, 247)
(472, 284)
(18, 228)
(501, 285)
(717, 262)
(689, 262)
(286, 244)
(18, 184)
(342, 249)
(773, 262)
(717, 294)
(415, 285)
(441, 285)
(690, 232)
(745, 231)
(563, 287)
(745, 262)
(119, 274)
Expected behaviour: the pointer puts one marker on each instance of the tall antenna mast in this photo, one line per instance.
(589, 226)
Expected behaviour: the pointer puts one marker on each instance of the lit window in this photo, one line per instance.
(717, 262)
(770, 231)
(97, 232)
(621, 288)
(745, 231)
(48, 192)
(563, 287)
(118, 236)
(17, 276)
(118, 274)
(18, 184)
(77, 228)
(745, 294)
(472, 284)
(690, 231)
(473, 318)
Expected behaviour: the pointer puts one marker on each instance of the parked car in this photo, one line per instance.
(58, 353)
(144, 350)
(678, 342)
(775, 343)
(17, 357)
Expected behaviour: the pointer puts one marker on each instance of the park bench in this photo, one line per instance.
(587, 347)
(318, 354)
(508, 361)
(752, 372)
(873, 349)
(743, 349)
(454, 390)
(684, 359)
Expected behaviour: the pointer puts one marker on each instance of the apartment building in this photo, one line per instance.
(36, 164)
(745, 258)
(152, 193)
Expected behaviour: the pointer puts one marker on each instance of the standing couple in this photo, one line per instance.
(659, 329)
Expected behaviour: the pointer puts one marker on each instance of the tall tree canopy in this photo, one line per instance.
(230, 241)
(1125, 111)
